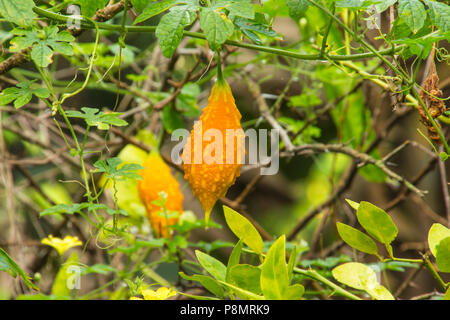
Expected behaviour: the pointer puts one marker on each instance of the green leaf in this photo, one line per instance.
(139, 5)
(294, 292)
(356, 239)
(443, 255)
(90, 7)
(65, 274)
(297, 8)
(291, 263)
(171, 119)
(217, 27)
(209, 283)
(361, 277)
(22, 94)
(241, 9)
(439, 14)
(154, 9)
(170, 30)
(246, 277)
(234, 258)
(115, 170)
(42, 54)
(380, 292)
(353, 4)
(274, 273)
(18, 12)
(353, 204)
(382, 5)
(216, 268)
(376, 222)
(98, 119)
(436, 234)
(244, 230)
(413, 13)
(7, 264)
(64, 208)
(355, 275)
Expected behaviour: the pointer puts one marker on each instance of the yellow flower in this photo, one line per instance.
(161, 294)
(61, 245)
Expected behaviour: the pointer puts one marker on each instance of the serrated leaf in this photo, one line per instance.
(244, 230)
(242, 9)
(436, 234)
(155, 8)
(274, 273)
(170, 30)
(7, 264)
(439, 14)
(217, 27)
(376, 222)
(413, 13)
(42, 54)
(18, 12)
(216, 268)
(297, 8)
(356, 239)
(443, 255)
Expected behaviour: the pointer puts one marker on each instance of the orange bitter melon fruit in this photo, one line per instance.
(211, 178)
(158, 178)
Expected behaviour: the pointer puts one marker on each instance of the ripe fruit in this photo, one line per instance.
(208, 167)
(157, 178)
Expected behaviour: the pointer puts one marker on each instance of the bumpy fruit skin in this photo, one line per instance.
(158, 178)
(210, 180)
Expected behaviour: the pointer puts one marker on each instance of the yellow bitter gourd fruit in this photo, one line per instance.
(157, 178)
(212, 156)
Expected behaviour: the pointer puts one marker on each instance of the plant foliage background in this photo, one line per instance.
(359, 209)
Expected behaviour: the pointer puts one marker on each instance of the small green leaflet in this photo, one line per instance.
(101, 120)
(413, 13)
(22, 94)
(19, 12)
